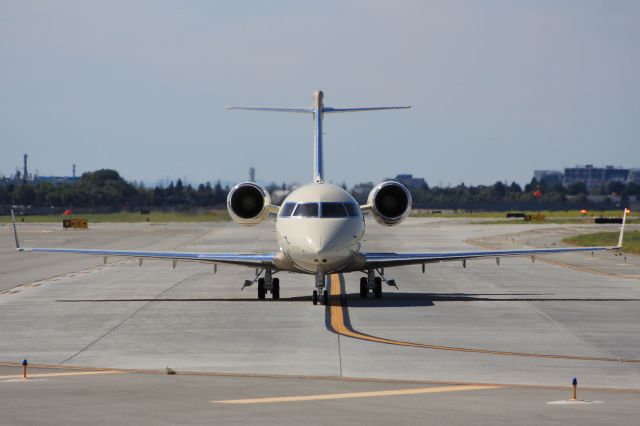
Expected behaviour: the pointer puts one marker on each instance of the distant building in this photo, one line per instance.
(548, 177)
(634, 176)
(594, 176)
(56, 180)
(410, 182)
(34, 179)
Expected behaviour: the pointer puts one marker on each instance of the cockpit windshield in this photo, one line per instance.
(353, 209)
(306, 210)
(287, 209)
(333, 210)
(324, 210)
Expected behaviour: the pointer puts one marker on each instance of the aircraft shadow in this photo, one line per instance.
(390, 300)
(306, 299)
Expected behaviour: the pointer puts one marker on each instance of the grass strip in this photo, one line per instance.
(631, 243)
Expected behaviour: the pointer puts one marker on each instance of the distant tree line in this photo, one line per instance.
(107, 190)
(501, 196)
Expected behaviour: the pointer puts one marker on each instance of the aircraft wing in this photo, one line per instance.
(381, 260)
(243, 259)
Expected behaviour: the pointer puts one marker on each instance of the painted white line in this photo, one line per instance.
(574, 402)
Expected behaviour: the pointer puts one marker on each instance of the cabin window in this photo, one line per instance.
(333, 210)
(306, 210)
(287, 209)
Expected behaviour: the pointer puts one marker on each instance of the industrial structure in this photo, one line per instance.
(592, 176)
(24, 177)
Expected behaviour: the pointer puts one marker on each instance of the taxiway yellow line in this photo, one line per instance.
(68, 373)
(339, 326)
(394, 392)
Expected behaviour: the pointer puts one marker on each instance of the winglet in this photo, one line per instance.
(624, 219)
(15, 231)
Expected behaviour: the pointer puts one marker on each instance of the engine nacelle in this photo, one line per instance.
(390, 203)
(248, 203)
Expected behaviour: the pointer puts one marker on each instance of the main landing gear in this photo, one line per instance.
(373, 284)
(268, 284)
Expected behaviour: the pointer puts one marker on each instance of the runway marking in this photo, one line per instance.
(341, 325)
(322, 397)
(68, 373)
(574, 402)
(318, 378)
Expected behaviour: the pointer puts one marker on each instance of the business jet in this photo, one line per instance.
(319, 229)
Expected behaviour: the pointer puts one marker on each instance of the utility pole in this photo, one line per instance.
(25, 175)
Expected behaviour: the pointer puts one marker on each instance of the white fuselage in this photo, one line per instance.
(319, 228)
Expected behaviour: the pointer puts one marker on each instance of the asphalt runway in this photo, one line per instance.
(485, 344)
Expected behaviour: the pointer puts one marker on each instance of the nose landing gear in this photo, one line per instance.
(320, 290)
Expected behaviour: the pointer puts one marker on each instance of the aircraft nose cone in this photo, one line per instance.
(316, 245)
(325, 244)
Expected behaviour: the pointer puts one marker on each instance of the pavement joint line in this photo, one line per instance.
(55, 278)
(369, 394)
(341, 324)
(325, 378)
(128, 318)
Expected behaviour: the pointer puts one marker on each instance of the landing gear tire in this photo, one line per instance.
(315, 297)
(363, 288)
(261, 290)
(377, 289)
(275, 290)
(325, 298)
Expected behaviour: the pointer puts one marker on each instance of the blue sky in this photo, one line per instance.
(498, 88)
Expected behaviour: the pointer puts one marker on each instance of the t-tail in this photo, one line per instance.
(318, 110)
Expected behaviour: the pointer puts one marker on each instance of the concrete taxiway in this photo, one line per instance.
(456, 344)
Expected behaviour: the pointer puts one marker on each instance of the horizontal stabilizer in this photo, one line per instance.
(329, 109)
(299, 110)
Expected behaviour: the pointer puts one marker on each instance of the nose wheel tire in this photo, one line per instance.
(261, 290)
(275, 290)
(325, 298)
(315, 297)
(363, 288)
(377, 289)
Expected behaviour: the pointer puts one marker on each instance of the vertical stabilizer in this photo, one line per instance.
(318, 110)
